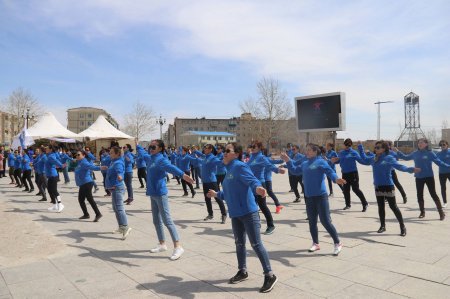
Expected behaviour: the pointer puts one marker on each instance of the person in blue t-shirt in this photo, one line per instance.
(423, 158)
(444, 172)
(347, 158)
(238, 190)
(382, 164)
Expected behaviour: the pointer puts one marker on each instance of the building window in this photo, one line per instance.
(209, 138)
(81, 123)
(220, 138)
(89, 123)
(81, 115)
(89, 115)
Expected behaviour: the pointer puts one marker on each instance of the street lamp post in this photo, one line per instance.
(379, 116)
(27, 117)
(161, 121)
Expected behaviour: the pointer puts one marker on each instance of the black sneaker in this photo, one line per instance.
(209, 217)
(269, 230)
(346, 208)
(224, 219)
(269, 283)
(240, 276)
(297, 199)
(193, 194)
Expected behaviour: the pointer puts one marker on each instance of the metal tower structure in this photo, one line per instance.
(412, 131)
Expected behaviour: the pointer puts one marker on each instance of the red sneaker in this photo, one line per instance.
(278, 209)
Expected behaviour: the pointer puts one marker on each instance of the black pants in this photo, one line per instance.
(294, 180)
(85, 192)
(220, 178)
(104, 183)
(196, 176)
(26, 177)
(18, 176)
(420, 184)
(387, 193)
(41, 183)
(142, 176)
(397, 184)
(213, 186)
(184, 183)
(271, 194)
(11, 174)
(352, 179)
(261, 201)
(52, 187)
(443, 177)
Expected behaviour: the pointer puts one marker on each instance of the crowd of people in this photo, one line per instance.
(239, 180)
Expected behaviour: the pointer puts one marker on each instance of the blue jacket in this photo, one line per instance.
(39, 163)
(314, 171)
(116, 168)
(258, 163)
(157, 168)
(18, 162)
(423, 159)
(63, 157)
(347, 160)
(297, 159)
(90, 157)
(26, 162)
(140, 162)
(221, 169)
(128, 157)
(83, 172)
(331, 154)
(11, 160)
(184, 162)
(209, 165)
(105, 160)
(268, 171)
(382, 167)
(238, 189)
(444, 156)
(50, 165)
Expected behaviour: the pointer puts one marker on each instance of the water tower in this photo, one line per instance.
(412, 131)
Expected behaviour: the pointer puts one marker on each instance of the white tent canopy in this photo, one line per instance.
(49, 127)
(102, 129)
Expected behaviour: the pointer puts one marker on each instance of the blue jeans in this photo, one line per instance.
(128, 180)
(251, 225)
(161, 214)
(66, 174)
(317, 206)
(117, 202)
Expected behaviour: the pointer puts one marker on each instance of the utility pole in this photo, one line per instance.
(379, 116)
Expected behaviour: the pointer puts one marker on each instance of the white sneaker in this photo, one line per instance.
(117, 231)
(159, 248)
(53, 208)
(314, 247)
(125, 231)
(337, 249)
(445, 205)
(177, 252)
(60, 207)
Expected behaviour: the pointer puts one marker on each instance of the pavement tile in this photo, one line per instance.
(29, 272)
(362, 291)
(419, 288)
(380, 279)
(47, 287)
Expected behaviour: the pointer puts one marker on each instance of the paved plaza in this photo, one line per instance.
(51, 255)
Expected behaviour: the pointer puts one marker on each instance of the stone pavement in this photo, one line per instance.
(51, 255)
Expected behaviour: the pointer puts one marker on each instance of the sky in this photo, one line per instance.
(202, 58)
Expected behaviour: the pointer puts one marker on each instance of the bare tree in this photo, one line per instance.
(140, 121)
(270, 110)
(17, 104)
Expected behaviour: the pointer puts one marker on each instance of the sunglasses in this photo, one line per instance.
(442, 144)
(228, 151)
(378, 147)
(152, 147)
(78, 155)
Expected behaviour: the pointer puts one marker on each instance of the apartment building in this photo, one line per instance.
(81, 118)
